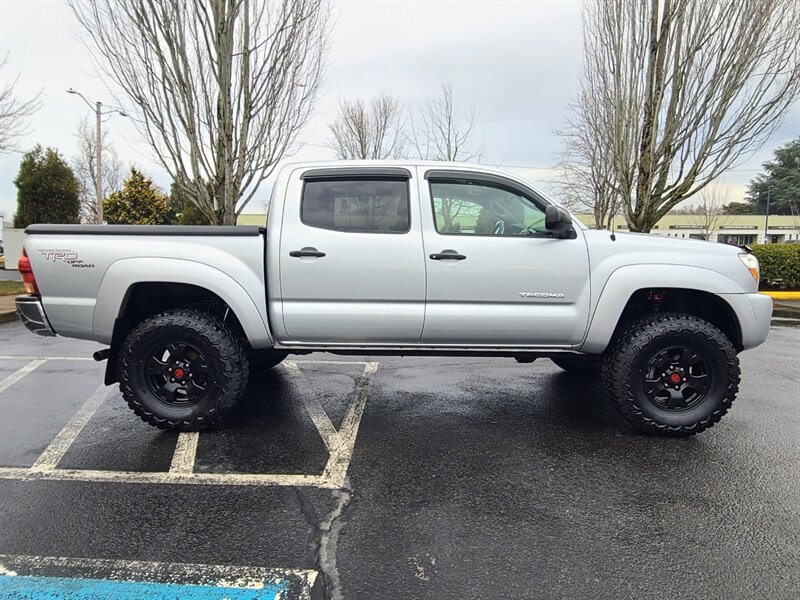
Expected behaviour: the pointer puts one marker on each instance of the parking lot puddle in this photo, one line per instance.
(115, 439)
(35, 408)
(274, 429)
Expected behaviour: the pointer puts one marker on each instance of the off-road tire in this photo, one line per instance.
(264, 360)
(224, 352)
(578, 364)
(625, 362)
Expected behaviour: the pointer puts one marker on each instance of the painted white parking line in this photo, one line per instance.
(336, 470)
(21, 372)
(51, 456)
(61, 576)
(340, 445)
(318, 415)
(185, 452)
(165, 477)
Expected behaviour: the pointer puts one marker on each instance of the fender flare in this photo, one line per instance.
(123, 274)
(626, 280)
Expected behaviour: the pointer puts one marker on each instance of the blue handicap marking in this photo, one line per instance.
(24, 587)
(64, 578)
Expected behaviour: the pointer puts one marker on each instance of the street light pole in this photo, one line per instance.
(766, 218)
(98, 180)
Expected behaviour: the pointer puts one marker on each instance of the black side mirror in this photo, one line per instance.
(558, 222)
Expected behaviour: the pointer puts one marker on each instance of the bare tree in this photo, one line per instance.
(218, 88)
(686, 88)
(84, 165)
(371, 130)
(442, 132)
(586, 175)
(708, 216)
(13, 111)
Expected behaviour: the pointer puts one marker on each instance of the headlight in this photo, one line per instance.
(751, 262)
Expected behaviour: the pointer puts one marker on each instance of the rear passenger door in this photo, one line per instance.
(352, 268)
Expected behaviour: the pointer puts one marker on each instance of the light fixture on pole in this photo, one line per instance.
(98, 179)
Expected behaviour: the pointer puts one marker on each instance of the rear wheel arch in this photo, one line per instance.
(143, 300)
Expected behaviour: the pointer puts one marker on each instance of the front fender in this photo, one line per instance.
(623, 282)
(124, 273)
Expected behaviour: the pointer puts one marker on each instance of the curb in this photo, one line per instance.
(8, 316)
(782, 295)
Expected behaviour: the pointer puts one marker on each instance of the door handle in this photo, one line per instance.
(447, 255)
(306, 252)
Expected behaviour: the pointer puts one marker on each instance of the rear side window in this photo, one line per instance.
(366, 205)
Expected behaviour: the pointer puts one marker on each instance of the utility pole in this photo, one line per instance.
(98, 179)
(766, 217)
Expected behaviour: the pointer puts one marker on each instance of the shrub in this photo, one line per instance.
(138, 203)
(780, 265)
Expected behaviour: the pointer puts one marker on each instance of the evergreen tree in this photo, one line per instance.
(139, 202)
(47, 190)
(185, 211)
(781, 182)
(741, 208)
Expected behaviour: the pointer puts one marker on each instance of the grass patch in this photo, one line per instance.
(11, 288)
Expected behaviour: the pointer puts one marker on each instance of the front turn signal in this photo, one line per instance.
(751, 262)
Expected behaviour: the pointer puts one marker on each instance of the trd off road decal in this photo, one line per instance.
(69, 257)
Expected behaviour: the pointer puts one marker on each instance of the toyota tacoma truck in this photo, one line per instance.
(399, 258)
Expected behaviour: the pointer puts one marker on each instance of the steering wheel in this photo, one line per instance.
(499, 227)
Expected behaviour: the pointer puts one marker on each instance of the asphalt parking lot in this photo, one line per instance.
(401, 478)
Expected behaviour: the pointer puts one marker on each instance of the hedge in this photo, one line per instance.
(780, 265)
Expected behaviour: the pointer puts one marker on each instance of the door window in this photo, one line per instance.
(477, 208)
(357, 205)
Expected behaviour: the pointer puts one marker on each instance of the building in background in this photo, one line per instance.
(728, 229)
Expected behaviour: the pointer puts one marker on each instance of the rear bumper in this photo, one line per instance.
(31, 313)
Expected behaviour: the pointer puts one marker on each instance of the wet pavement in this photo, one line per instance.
(412, 478)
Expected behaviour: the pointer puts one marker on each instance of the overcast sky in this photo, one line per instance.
(518, 63)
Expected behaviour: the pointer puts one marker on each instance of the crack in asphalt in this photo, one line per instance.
(325, 537)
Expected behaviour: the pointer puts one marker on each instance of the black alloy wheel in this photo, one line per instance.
(671, 374)
(182, 369)
(677, 379)
(178, 374)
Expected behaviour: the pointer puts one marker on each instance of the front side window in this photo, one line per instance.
(366, 205)
(476, 208)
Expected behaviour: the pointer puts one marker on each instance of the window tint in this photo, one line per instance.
(360, 205)
(483, 209)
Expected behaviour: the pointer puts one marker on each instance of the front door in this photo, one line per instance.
(495, 276)
(351, 264)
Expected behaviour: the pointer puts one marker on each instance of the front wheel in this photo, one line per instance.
(671, 374)
(182, 370)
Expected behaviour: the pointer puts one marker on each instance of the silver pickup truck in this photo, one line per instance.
(405, 259)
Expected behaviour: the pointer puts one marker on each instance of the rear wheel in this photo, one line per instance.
(182, 370)
(672, 374)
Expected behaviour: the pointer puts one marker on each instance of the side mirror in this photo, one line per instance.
(558, 222)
